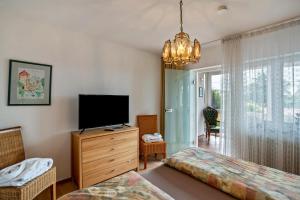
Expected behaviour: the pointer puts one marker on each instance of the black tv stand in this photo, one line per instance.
(82, 131)
(108, 129)
(126, 125)
(112, 128)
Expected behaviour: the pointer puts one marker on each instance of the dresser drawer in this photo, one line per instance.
(109, 151)
(98, 155)
(108, 140)
(94, 167)
(108, 173)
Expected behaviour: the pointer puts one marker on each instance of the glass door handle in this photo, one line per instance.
(168, 110)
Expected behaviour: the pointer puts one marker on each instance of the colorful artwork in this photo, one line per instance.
(243, 180)
(29, 83)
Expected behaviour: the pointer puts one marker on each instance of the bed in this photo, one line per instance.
(182, 186)
(195, 173)
(161, 183)
(130, 185)
(241, 179)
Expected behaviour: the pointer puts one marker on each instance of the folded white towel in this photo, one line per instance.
(23, 172)
(156, 137)
(153, 140)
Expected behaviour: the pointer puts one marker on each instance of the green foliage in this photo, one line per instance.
(258, 90)
(38, 94)
(252, 107)
(21, 88)
(20, 84)
(43, 82)
(21, 92)
(216, 99)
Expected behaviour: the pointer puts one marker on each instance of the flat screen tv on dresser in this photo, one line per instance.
(103, 110)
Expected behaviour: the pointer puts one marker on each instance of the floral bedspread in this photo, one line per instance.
(241, 179)
(127, 186)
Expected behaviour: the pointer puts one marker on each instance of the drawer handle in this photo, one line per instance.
(112, 160)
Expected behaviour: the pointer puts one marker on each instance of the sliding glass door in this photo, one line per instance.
(180, 109)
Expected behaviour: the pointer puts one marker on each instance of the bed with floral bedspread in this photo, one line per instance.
(126, 186)
(241, 179)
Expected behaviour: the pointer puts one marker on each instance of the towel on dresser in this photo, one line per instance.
(23, 172)
(148, 138)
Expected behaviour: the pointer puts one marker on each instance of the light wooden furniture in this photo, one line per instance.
(148, 124)
(98, 155)
(11, 152)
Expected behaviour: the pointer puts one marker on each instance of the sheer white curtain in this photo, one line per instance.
(261, 96)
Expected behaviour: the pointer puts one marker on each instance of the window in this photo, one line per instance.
(272, 90)
(291, 92)
(256, 92)
(216, 91)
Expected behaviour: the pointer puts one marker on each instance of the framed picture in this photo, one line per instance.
(29, 83)
(201, 92)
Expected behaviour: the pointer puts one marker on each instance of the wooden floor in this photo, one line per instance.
(68, 186)
(216, 144)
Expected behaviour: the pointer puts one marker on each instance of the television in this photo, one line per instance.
(103, 110)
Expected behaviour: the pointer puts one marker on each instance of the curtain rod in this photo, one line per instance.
(294, 19)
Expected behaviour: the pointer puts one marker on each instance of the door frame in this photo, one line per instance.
(162, 100)
(207, 96)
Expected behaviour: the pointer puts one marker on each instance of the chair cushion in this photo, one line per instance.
(25, 171)
(215, 129)
(30, 189)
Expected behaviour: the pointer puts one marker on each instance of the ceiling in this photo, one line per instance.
(146, 24)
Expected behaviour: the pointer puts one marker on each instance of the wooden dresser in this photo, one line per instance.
(98, 155)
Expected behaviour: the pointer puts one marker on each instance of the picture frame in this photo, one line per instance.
(29, 83)
(201, 92)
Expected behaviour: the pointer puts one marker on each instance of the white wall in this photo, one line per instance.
(81, 64)
(211, 55)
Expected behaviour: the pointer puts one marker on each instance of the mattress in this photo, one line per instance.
(127, 186)
(241, 179)
(182, 186)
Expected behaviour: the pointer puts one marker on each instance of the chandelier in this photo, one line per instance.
(181, 51)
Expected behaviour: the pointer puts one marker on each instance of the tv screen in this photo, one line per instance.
(103, 110)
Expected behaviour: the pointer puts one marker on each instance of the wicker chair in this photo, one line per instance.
(148, 124)
(11, 152)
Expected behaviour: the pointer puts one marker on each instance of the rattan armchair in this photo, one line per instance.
(11, 152)
(148, 124)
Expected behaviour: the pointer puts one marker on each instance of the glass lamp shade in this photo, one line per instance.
(166, 54)
(197, 50)
(181, 51)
